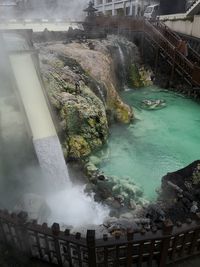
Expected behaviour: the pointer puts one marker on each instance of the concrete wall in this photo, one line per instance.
(114, 6)
(186, 26)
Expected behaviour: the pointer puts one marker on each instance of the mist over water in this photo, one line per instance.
(73, 207)
(25, 152)
(41, 9)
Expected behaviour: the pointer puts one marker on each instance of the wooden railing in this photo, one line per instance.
(191, 5)
(174, 38)
(157, 247)
(161, 36)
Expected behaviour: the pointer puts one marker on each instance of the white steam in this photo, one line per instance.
(72, 207)
(63, 9)
(19, 172)
(72, 9)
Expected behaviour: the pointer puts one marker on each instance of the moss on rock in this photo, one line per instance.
(78, 146)
(139, 77)
(82, 110)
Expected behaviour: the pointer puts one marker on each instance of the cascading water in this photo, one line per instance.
(68, 203)
(123, 65)
(101, 94)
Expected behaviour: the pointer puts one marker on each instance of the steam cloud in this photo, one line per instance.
(72, 9)
(63, 9)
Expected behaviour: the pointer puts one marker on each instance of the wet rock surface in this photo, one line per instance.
(81, 79)
(121, 194)
(181, 191)
(178, 201)
(82, 82)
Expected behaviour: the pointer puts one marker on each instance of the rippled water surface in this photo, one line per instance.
(158, 142)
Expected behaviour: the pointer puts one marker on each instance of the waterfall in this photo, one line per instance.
(101, 94)
(51, 160)
(68, 203)
(123, 65)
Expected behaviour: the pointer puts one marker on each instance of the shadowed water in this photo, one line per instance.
(158, 141)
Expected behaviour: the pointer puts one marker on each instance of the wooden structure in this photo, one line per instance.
(163, 40)
(156, 247)
(167, 7)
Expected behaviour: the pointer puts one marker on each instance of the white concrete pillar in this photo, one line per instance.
(103, 8)
(136, 7)
(113, 8)
(45, 140)
(131, 8)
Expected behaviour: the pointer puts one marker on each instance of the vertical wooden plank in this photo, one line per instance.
(91, 248)
(130, 236)
(151, 252)
(2, 233)
(173, 252)
(173, 66)
(56, 231)
(21, 231)
(117, 262)
(78, 247)
(38, 246)
(46, 240)
(167, 230)
(141, 254)
(67, 233)
(193, 245)
(183, 246)
(156, 59)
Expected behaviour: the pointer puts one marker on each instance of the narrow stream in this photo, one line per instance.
(157, 142)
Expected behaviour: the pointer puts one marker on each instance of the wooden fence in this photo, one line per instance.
(156, 247)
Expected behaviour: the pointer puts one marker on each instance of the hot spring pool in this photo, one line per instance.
(157, 142)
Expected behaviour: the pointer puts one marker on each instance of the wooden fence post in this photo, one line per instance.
(130, 236)
(21, 231)
(91, 248)
(2, 233)
(167, 230)
(56, 231)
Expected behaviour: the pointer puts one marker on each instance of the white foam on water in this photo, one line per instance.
(123, 63)
(73, 207)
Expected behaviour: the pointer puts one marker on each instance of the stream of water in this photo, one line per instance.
(25, 107)
(157, 142)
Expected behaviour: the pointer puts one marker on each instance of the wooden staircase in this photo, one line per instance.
(160, 36)
(193, 9)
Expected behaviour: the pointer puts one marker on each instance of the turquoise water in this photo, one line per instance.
(157, 142)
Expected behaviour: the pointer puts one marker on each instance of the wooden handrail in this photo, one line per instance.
(158, 33)
(174, 38)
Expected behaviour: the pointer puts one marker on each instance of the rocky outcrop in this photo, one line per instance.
(121, 194)
(140, 76)
(180, 192)
(81, 80)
